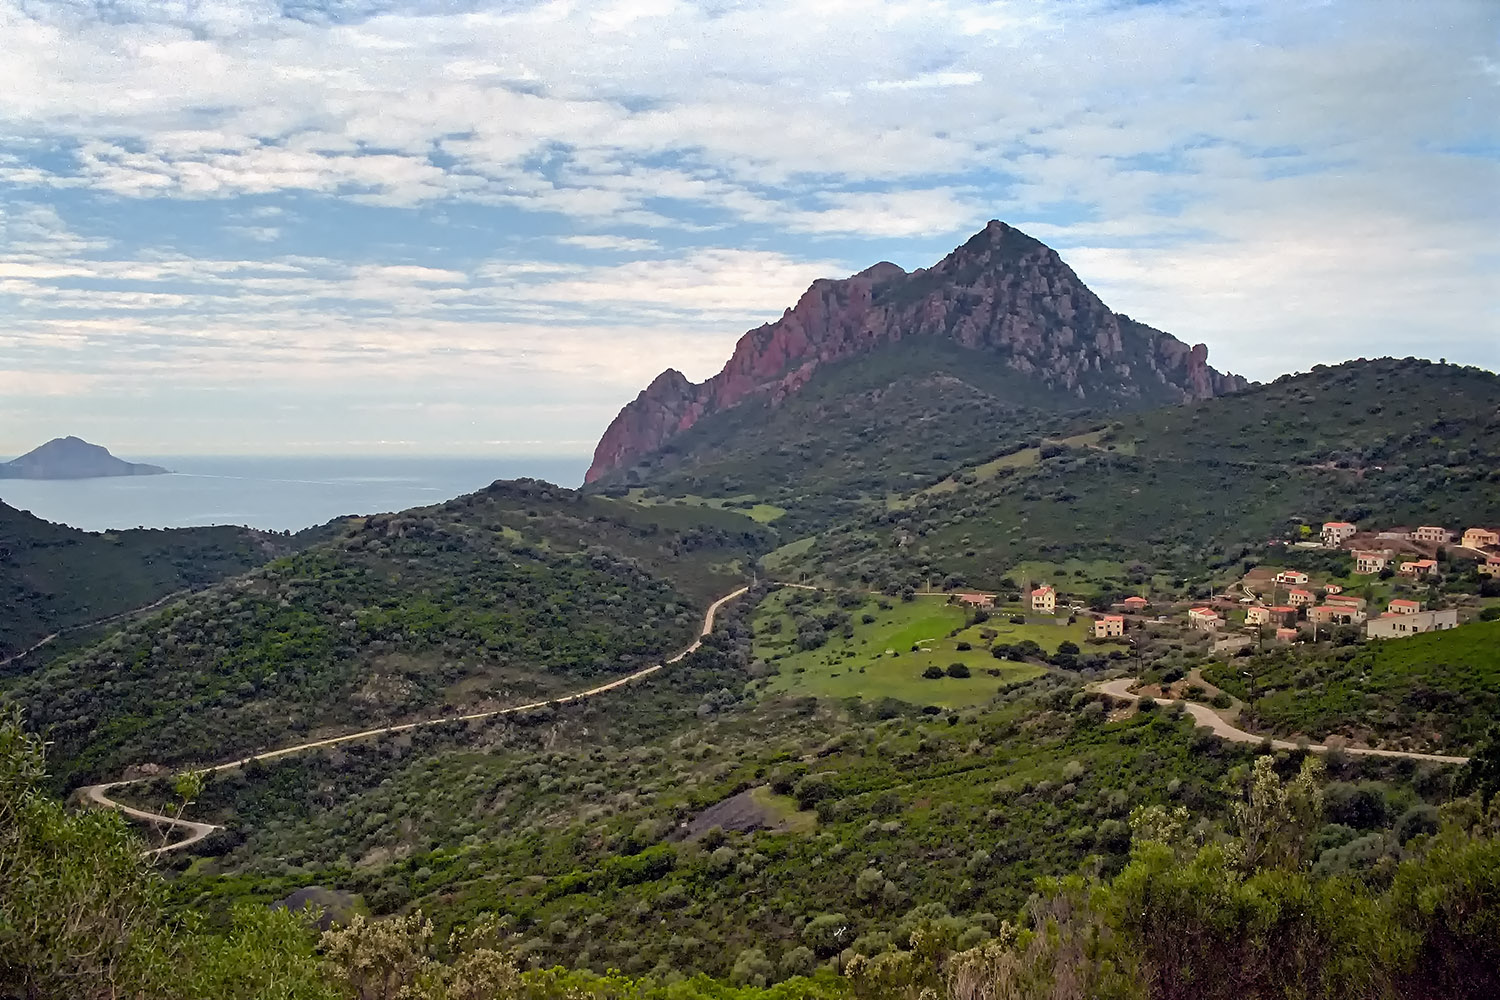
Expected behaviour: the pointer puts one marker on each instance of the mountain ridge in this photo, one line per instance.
(74, 458)
(1002, 292)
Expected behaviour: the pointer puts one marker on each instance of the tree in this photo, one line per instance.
(1482, 773)
(82, 914)
(1275, 819)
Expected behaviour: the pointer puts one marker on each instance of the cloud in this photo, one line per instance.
(221, 193)
(630, 244)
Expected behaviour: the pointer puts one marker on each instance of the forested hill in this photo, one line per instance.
(513, 593)
(1186, 488)
(54, 577)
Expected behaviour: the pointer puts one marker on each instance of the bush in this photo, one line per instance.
(1221, 700)
(933, 672)
(957, 670)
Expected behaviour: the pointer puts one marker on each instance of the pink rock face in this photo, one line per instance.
(1001, 292)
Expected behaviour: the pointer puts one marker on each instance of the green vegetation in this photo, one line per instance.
(898, 417)
(823, 645)
(764, 513)
(515, 593)
(1192, 491)
(1436, 691)
(54, 577)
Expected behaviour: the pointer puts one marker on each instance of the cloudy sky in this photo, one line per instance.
(350, 226)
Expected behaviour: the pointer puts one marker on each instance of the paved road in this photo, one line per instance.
(1206, 716)
(99, 794)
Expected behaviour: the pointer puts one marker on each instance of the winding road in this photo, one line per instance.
(99, 794)
(1206, 716)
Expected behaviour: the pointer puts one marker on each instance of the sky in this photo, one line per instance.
(453, 227)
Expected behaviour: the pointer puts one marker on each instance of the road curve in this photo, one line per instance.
(1206, 716)
(99, 794)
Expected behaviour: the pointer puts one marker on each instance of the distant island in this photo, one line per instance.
(73, 458)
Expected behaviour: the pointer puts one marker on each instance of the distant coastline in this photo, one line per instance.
(273, 493)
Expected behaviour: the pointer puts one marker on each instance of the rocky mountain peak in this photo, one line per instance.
(1002, 293)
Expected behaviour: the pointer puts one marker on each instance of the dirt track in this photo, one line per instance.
(1206, 716)
(99, 794)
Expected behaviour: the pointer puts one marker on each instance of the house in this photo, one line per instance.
(1109, 627)
(1257, 615)
(1403, 607)
(1204, 619)
(1283, 615)
(1287, 635)
(1395, 534)
(1044, 598)
(1291, 578)
(1394, 626)
(1334, 614)
(1490, 567)
(1345, 601)
(1419, 567)
(1434, 535)
(1135, 603)
(1298, 598)
(1371, 562)
(977, 600)
(1478, 538)
(1336, 532)
(1333, 588)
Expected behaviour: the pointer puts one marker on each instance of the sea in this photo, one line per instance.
(274, 494)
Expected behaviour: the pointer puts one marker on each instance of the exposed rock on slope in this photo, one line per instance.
(1002, 293)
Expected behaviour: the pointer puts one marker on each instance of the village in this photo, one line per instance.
(1392, 589)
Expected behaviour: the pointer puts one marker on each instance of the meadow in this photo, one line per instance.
(877, 647)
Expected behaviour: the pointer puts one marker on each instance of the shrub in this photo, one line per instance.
(933, 672)
(957, 670)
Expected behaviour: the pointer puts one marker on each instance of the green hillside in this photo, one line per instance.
(1190, 488)
(1438, 691)
(512, 593)
(901, 416)
(55, 577)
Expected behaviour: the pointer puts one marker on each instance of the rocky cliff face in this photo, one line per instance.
(1001, 293)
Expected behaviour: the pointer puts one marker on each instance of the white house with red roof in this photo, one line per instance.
(1044, 598)
(1204, 619)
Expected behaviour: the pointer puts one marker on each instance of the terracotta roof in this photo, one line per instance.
(1135, 600)
(1337, 524)
(1113, 618)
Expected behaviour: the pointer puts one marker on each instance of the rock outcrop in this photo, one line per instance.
(1001, 293)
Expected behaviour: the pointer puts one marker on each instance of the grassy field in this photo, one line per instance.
(765, 513)
(878, 661)
(986, 471)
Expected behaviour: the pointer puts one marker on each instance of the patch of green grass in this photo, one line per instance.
(877, 660)
(764, 513)
(1073, 577)
(784, 809)
(779, 559)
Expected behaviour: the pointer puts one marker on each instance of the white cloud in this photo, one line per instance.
(628, 244)
(1280, 180)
